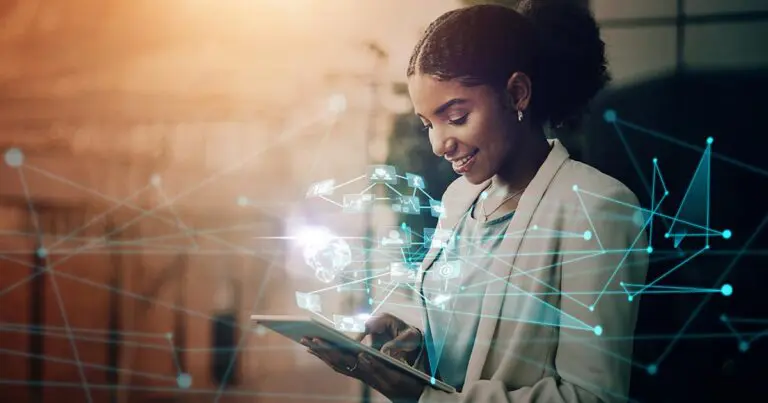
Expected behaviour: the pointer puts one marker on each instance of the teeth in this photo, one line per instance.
(465, 159)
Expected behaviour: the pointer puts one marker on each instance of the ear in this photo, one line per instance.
(519, 91)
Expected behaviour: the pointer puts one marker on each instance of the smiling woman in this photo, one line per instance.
(508, 322)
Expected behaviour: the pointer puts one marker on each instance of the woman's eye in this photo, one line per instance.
(459, 121)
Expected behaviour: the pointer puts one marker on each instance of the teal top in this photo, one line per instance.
(453, 289)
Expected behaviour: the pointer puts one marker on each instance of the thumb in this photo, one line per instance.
(404, 343)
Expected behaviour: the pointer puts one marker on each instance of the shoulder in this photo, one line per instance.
(584, 184)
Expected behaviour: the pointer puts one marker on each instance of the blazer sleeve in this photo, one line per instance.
(591, 364)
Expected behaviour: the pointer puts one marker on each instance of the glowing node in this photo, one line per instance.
(370, 301)
(655, 160)
(743, 346)
(324, 252)
(242, 201)
(723, 318)
(483, 195)
(155, 180)
(169, 336)
(591, 308)
(337, 103)
(726, 290)
(432, 380)
(598, 330)
(42, 252)
(575, 188)
(652, 369)
(710, 140)
(630, 298)
(14, 157)
(184, 381)
(666, 193)
(666, 235)
(535, 227)
(727, 234)
(649, 249)
(609, 115)
(587, 235)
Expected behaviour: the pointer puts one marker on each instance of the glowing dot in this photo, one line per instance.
(666, 193)
(609, 115)
(42, 252)
(535, 227)
(652, 369)
(621, 283)
(14, 157)
(184, 381)
(242, 201)
(649, 249)
(598, 330)
(575, 188)
(592, 308)
(169, 336)
(629, 298)
(370, 301)
(743, 346)
(655, 160)
(726, 290)
(587, 235)
(337, 103)
(723, 318)
(463, 288)
(432, 380)
(155, 180)
(666, 235)
(483, 195)
(727, 234)
(710, 140)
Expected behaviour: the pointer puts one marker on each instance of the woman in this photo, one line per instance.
(530, 301)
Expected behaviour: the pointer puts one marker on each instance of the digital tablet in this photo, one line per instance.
(296, 327)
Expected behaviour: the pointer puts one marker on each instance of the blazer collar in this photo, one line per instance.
(457, 202)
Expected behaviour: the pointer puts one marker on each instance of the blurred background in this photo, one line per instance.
(157, 157)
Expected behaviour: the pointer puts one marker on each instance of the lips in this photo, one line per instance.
(463, 164)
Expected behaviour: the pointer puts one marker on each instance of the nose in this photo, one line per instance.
(442, 146)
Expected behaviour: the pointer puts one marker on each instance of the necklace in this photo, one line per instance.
(507, 198)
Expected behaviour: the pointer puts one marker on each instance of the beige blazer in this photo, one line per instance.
(538, 339)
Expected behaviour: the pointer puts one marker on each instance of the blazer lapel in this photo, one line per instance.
(502, 268)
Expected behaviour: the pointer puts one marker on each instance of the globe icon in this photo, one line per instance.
(327, 255)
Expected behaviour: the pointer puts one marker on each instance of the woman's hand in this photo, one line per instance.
(381, 376)
(393, 337)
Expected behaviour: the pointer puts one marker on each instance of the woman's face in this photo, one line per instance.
(466, 125)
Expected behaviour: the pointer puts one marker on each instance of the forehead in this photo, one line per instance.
(428, 92)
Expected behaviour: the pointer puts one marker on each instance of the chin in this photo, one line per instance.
(475, 178)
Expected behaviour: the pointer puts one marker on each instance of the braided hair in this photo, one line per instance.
(556, 43)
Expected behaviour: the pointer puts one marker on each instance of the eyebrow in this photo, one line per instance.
(440, 109)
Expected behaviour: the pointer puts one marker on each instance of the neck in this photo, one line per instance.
(521, 166)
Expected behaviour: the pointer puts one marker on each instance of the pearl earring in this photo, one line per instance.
(519, 116)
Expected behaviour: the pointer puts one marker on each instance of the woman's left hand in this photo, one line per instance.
(371, 370)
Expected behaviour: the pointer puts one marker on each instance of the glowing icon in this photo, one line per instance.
(448, 270)
(310, 302)
(349, 323)
(357, 203)
(395, 237)
(324, 188)
(382, 174)
(325, 253)
(437, 208)
(400, 272)
(407, 205)
(440, 300)
(415, 181)
(439, 238)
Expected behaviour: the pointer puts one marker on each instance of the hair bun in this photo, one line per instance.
(571, 58)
